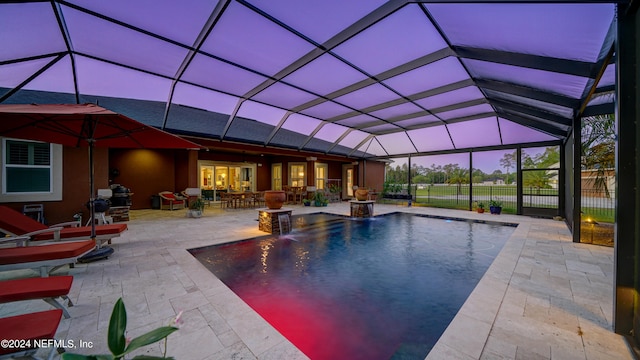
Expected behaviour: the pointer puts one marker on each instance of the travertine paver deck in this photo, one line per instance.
(544, 297)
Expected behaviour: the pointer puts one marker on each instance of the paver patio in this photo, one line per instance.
(544, 297)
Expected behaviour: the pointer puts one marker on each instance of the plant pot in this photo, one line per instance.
(194, 213)
(480, 211)
(274, 199)
(362, 194)
(307, 204)
(496, 210)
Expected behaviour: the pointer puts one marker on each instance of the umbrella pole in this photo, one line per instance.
(99, 252)
(92, 207)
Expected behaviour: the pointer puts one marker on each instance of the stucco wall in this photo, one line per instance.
(145, 172)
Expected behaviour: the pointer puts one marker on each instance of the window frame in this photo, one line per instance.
(276, 181)
(55, 176)
(325, 180)
(303, 165)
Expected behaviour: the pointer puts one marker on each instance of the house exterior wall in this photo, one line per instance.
(146, 172)
(373, 172)
(75, 185)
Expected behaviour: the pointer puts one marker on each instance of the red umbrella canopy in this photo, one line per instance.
(84, 125)
(75, 125)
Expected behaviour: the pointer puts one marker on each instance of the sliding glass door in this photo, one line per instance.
(217, 177)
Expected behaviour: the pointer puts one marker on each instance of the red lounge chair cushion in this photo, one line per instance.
(55, 251)
(17, 223)
(38, 325)
(34, 288)
(83, 231)
(168, 198)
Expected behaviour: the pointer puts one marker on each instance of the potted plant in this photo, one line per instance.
(334, 192)
(196, 207)
(495, 206)
(319, 199)
(306, 202)
(480, 207)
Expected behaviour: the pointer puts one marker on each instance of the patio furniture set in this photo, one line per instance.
(247, 199)
(29, 244)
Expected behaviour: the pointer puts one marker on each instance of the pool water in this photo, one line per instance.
(379, 288)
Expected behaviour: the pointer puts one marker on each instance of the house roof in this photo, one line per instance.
(357, 78)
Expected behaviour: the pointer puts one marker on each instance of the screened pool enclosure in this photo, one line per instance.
(363, 79)
(368, 80)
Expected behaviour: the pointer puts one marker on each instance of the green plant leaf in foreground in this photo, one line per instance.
(117, 327)
(148, 338)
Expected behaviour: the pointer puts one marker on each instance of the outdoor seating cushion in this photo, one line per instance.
(19, 224)
(34, 288)
(37, 325)
(169, 196)
(83, 231)
(16, 255)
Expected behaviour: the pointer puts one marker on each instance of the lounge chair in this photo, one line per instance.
(46, 258)
(47, 289)
(169, 200)
(26, 329)
(15, 223)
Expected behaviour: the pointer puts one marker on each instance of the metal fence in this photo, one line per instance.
(598, 205)
(457, 196)
(595, 203)
(540, 198)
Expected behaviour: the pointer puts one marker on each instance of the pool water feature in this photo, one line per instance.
(378, 288)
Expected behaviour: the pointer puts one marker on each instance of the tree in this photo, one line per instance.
(507, 162)
(437, 170)
(448, 169)
(478, 176)
(598, 148)
(550, 157)
(420, 179)
(495, 175)
(538, 179)
(458, 176)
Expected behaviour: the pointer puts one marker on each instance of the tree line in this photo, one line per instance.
(598, 154)
(455, 174)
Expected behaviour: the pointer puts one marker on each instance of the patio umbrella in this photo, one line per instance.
(84, 125)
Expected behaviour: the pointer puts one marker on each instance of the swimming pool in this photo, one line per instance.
(380, 288)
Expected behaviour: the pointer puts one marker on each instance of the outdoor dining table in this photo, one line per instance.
(239, 199)
(295, 192)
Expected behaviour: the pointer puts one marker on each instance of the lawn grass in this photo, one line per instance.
(447, 196)
(599, 214)
(464, 190)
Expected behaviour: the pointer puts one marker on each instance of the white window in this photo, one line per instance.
(350, 183)
(276, 177)
(297, 174)
(31, 171)
(321, 176)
